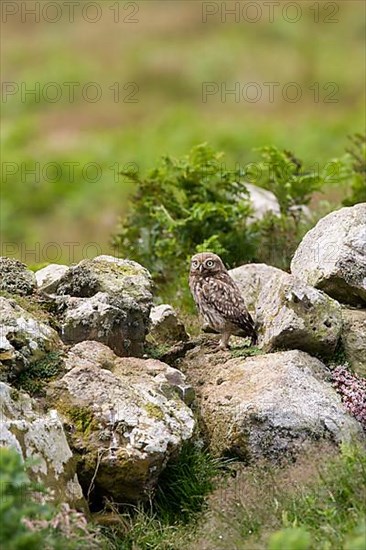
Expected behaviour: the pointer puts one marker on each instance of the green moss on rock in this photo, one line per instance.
(124, 270)
(34, 379)
(81, 418)
(29, 304)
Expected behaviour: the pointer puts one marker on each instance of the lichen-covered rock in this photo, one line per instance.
(40, 437)
(354, 338)
(106, 274)
(267, 406)
(15, 278)
(96, 354)
(290, 314)
(165, 327)
(250, 279)
(124, 422)
(90, 353)
(108, 300)
(332, 255)
(24, 339)
(166, 377)
(117, 321)
(48, 277)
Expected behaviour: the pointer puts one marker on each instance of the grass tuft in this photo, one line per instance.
(170, 520)
(35, 378)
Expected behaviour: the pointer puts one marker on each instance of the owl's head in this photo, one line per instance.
(206, 263)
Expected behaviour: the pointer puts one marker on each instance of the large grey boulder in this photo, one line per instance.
(165, 326)
(25, 338)
(105, 299)
(15, 278)
(124, 422)
(91, 353)
(291, 314)
(332, 255)
(48, 277)
(39, 438)
(354, 338)
(288, 313)
(250, 279)
(267, 406)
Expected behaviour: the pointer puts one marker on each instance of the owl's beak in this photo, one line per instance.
(200, 269)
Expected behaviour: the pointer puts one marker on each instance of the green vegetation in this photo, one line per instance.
(72, 168)
(194, 204)
(156, 351)
(333, 511)
(357, 159)
(245, 351)
(35, 378)
(28, 303)
(82, 419)
(182, 206)
(283, 174)
(295, 538)
(186, 482)
(27, 523)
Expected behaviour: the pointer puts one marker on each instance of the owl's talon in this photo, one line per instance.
(211, 344)
(217, 346)
(224, 347)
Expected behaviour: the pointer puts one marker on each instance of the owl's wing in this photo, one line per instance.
(225, 297)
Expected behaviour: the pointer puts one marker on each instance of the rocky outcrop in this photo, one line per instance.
(108, 300)
(267, 406)
(124, 419)
(125, 416)
(165, 327)
(39, 437)
(24, 339)
(15, 278)
(48, 277)
(332, 255)
(354, 338)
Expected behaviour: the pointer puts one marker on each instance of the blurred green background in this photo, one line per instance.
(163, 59)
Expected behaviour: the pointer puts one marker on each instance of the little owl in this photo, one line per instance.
(219, 299)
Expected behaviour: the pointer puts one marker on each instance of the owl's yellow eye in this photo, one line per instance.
(195, 264)
(210, 263)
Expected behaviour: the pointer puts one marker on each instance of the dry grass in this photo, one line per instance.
(249, 489)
